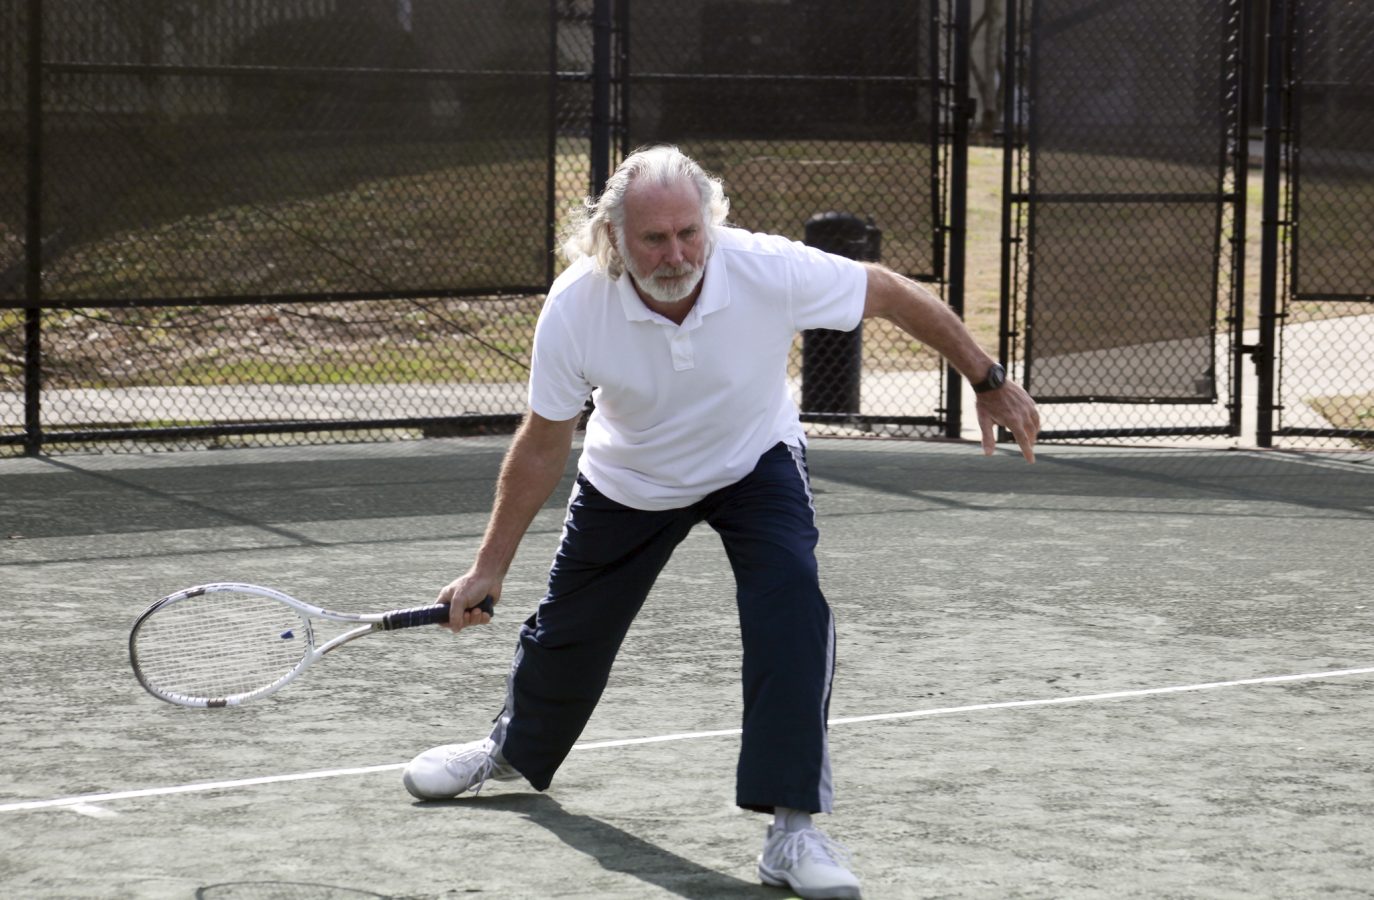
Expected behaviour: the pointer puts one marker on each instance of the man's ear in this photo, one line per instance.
(617, 262)
(615, 245)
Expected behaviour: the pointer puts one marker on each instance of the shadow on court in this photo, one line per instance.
(1118, 672)
(617, 850)
(66, 496)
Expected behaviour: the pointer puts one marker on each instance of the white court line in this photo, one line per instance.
(201, 787)
(90, 800)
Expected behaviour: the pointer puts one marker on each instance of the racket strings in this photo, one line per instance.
(219, 645)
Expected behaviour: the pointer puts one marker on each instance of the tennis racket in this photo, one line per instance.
(224, 644)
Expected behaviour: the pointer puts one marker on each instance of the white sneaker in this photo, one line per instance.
(450, 769)
(809, 863)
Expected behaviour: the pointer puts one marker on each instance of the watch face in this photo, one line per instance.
(996, 377)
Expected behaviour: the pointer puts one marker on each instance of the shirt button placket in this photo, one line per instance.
(681, 344)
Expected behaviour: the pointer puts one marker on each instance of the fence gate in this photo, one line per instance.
(1320, 308)
(809, 109)
(1122, 266)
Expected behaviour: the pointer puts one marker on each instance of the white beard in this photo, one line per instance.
(662, 286)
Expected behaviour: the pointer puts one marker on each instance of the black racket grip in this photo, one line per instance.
(428, 615)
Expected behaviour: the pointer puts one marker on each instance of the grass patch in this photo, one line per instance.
(377, 342)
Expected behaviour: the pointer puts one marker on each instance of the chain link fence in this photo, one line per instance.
(298, 148)
(289, 218)
(1125, 155)
(1325, 388)
(295, 220)
(271, 221)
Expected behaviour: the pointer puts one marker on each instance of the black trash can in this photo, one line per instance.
(832, 361)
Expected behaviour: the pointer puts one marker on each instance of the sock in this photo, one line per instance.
(785, 819)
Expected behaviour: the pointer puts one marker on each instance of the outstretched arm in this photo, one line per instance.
(926, 317)
(532, 469)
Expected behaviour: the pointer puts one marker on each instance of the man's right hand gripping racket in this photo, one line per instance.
(225, 644)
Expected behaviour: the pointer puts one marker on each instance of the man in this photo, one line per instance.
(680, 327)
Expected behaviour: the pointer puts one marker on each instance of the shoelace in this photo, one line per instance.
(486, 769)
(814, 843)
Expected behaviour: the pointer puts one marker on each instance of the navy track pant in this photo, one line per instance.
(608, 560)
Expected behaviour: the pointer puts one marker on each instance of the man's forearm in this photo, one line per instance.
(924, 316)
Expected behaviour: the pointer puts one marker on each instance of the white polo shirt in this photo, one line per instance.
(683, 410)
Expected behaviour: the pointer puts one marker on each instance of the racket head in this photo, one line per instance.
(218, 645)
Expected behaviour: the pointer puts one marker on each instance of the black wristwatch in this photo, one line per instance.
(996, 377)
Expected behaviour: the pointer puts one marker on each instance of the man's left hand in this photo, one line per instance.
(1012, 408)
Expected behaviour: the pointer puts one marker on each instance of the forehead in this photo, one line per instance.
(654, 207)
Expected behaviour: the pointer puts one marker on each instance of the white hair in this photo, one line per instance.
(597, 227)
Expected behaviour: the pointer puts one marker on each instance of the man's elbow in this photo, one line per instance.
(884, 292)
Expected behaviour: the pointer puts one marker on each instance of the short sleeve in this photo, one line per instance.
(557, 390)
(828, 291)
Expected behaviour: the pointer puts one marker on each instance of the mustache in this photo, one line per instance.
(666, 271)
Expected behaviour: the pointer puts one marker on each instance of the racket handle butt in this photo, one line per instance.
(428, 615)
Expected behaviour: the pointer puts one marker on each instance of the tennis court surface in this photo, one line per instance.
(1116, 673)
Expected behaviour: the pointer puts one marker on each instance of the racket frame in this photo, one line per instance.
(367, 623)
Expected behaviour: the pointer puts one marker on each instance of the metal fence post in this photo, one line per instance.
(1240, 168)
(1264, 352)
(1010, 235)
(962, 112)
(832, 361)
(601, 95)
(33, 238)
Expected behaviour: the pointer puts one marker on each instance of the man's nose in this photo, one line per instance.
(673, 253)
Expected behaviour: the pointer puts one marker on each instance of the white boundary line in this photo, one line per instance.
(89, 800)
(87, 803)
